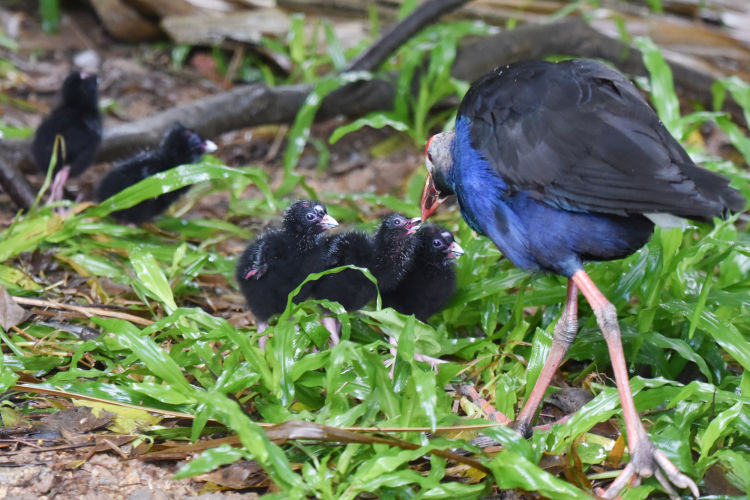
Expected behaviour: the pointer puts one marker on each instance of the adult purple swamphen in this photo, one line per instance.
(179, 146)
(78, 121)
(559, 163)
(280, 259)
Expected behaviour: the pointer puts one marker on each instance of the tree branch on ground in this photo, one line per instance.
(254, 105)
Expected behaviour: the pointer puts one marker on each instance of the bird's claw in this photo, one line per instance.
(646, 460)
(433, 362)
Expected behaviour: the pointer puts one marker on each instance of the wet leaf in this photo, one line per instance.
(151, 276)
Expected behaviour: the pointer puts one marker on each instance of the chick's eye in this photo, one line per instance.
(397, 222)
(310, 216)
(437, 243)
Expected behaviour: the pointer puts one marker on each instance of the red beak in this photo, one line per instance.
(431, 199)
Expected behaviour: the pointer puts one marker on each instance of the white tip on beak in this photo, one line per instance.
(209, 146)
(455, 251)
(328, 222)
(413, 225)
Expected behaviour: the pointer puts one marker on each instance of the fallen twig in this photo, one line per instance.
(86, 312)
(15, 184)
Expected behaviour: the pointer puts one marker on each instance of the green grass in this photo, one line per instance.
(682, 302)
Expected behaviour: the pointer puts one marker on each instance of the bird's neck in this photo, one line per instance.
(307, 241)
(393, 261)
(485, 201)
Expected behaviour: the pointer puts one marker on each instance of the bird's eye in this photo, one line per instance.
(310, 216)
(437, 243)
(397, 222)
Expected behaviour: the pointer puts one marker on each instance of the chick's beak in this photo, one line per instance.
(431, 199)
(413, 225)
(209, 146)
(455, 251)
(328, 222)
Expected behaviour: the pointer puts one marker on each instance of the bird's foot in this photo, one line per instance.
(433, 362)
(646, 461)
(391, 362)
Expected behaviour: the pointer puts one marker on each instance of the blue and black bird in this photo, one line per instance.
(389, 254)
(280, 259)
(560, 163)
(179, 146)
(78, 121)
(426, 288)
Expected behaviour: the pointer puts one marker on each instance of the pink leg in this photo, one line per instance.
(334, 328)
(58, 184)
(645, 459)
(565, 332)
(261, 327)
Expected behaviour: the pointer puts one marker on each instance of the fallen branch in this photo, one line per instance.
(255, 105)
(260, 105)
(398, 34)
(15, 184)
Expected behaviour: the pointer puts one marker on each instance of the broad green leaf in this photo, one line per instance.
(717, 427)
(512, 470)
(209, 460)
(663, 95)
(374, 120)
(152, 278)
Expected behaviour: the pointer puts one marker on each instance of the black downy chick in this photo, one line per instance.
(179, 146)
(78, 121)
(430, 283)
(394, 250)
(280, 259)
(387, 255)
(350, 287)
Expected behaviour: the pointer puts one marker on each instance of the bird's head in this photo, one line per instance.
(440, 243)
(439, 163)
(400, 226)
(395, 246)
(182, 145)
(81, 90)
(308, 217)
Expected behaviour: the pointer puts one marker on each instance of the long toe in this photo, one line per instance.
(646, 461)
(433, 362)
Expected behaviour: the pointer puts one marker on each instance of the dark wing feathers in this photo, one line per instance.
(579, 136)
